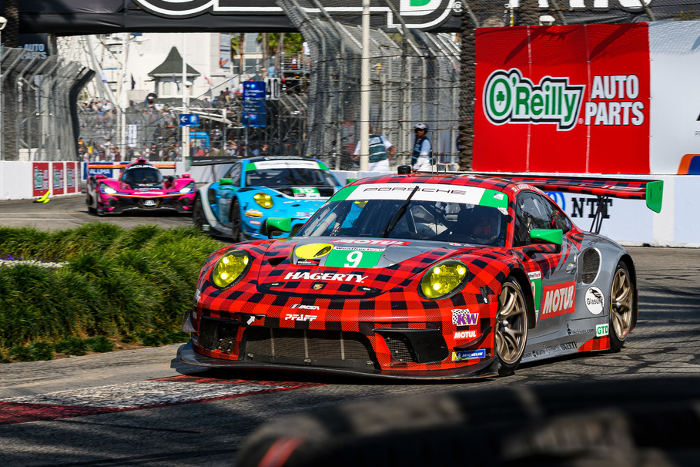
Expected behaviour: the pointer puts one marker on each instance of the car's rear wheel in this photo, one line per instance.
(198, 216)
(235, 220)
(621, 307)
(510, 327)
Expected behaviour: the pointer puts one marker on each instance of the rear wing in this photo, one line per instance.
(649, 190)
(121, 165)
(604, 188)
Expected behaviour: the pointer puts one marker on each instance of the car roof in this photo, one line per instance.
(480, 181)
(278, 158)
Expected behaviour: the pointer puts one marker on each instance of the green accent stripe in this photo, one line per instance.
(250, 166)
(344, 193)
(654, 194)
(490, 198)
(323, 166)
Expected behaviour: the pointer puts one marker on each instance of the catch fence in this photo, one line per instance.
(38, 96)
(414, 79)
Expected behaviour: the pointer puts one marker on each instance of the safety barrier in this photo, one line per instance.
(626, 221)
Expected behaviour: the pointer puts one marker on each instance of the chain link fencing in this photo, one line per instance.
(38, 106)
(414, 79)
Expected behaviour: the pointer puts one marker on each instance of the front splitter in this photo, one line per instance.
(187, 354)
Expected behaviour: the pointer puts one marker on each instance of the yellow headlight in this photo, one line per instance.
(263, 199)
(230, 267)
(442, 279)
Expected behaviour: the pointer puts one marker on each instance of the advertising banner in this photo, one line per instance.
(72, 185)
(567, 99)
(675, 114)
(58, 171)
(40, 172)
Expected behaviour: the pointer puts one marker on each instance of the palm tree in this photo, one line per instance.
(11, 40)
(11, 33)
(467, 80)
(529, 13)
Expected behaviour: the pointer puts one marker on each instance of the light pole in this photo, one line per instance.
(3, 23)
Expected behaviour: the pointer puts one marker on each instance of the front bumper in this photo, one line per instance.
(119, 204)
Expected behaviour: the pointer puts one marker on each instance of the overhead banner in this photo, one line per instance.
(569, 99)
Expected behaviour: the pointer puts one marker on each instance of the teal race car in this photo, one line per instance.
(254, 189)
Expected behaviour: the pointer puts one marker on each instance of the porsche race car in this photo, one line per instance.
(140, 186)
(421, 276)
(254, 189)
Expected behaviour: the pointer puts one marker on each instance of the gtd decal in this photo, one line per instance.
(511, 98)
(621, 112)
(558, 300)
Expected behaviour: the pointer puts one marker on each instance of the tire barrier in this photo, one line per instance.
(652, 422)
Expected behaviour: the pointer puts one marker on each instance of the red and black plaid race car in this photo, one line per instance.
(421, 276)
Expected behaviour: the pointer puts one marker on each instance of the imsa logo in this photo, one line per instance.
(511, 98)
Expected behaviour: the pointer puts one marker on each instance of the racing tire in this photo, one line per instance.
(198, 217)
(236, 221)
(510, 327)
(91, 209)
(621, 308)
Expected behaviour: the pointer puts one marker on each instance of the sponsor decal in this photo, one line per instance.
(328, 276)
(255, 223)
(551, 350)
(306, 192)
(465, 334)
(601, 330)
(594, 300)
(575, 332)
(351, 241)
(313, 250)
(462, 317)
(293, 317)
(558, 300)
(253, 213)
(536, 284)
(620, 112)
(511, 98)
(468, 355)
(304, 307)
(318, 286)
(308, 262)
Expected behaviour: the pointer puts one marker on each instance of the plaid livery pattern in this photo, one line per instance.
(377, 298)
(597, 343)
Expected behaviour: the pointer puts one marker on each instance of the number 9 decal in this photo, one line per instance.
(354, 259)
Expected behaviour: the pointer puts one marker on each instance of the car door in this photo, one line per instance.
(557, 279)
(227, 192)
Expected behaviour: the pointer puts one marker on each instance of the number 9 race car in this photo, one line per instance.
(254, 189)
(140, 186)
(421, 276)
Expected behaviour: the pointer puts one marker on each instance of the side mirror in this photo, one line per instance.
(276, 225)
(225, 181)
(555, 236)
(544, 241)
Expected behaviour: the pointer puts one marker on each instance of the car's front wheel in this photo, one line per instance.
(198, 216)
(621, 307)
(235, 221)
(510, 327)
(89, 201)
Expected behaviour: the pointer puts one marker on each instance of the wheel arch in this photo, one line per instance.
(524, 283)
(627, 259)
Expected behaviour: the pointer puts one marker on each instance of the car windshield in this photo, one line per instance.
(143, 175)
(289, 177)
(421, 220)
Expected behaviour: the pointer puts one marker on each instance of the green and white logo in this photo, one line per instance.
(511, 98)
(601, 330)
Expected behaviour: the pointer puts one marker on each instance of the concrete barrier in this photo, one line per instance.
(626, 221)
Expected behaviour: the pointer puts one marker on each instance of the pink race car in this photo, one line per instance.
(139, 186)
